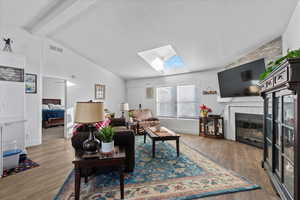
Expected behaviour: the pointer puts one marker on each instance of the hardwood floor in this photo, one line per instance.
(55, 156)
(41, 183)
(53, 133)
(240, 158)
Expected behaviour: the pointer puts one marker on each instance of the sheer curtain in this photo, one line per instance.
(178, 101)
(166, 102)
(186, 101)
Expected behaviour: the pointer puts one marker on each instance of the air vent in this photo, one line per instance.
(55, 48)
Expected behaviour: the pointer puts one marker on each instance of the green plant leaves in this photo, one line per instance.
(106, 134)
(272, 65)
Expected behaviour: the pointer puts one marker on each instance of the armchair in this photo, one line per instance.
(144, 119)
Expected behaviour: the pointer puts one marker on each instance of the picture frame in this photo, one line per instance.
(12, 74)
(99, 91)
(30, 83)
(149, 93)
(210, 92)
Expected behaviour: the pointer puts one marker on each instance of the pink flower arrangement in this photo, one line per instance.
(204, 110)
(98, 126)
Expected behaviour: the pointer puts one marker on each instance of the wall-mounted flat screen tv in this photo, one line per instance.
(241, 81)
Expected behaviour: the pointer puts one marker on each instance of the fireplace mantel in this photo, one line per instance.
(250, 105)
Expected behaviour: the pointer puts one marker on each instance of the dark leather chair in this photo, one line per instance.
(124, 138)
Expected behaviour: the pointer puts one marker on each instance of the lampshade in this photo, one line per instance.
(89, 112)
(124, 107)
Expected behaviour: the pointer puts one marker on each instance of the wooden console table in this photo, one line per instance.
(211, 126)
(117, 159)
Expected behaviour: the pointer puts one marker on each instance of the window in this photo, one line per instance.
(166, 101)
(186, 101)
(180, 101)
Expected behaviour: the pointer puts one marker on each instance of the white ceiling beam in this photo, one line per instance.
(57, 14)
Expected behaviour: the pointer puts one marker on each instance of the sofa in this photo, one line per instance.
(123, 137)
(143, 118)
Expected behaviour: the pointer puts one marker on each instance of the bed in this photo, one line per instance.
(52, 116)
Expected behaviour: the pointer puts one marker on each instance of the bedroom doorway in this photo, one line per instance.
(53, 108)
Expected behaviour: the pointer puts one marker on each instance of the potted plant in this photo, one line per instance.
(275, 64)
(204, 110)
(106, 135)
(130, 114)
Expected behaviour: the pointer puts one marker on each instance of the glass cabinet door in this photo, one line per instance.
(277, 135)
(288, 122)
(269, 128)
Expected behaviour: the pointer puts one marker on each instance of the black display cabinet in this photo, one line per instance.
(280, 91)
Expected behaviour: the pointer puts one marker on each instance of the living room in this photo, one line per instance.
(178, 101)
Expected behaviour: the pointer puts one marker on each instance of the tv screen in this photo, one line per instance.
(242, 80)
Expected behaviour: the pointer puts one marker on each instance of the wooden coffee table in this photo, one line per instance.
(162, 135)
(117, 158)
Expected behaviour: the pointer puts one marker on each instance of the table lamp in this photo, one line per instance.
(124, 107)
(89, 113)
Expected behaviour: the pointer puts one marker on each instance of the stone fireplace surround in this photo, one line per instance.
(248, 105)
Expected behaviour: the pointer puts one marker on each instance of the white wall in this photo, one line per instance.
(31, 47)
(136, 94)
(82, 75)
(54, 88)
(291, 37)
(42, 61)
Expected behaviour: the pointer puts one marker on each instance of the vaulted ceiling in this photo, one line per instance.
(205, 33)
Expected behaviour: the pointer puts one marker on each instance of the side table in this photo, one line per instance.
(132, 126)
(114, 159)
(211, 126)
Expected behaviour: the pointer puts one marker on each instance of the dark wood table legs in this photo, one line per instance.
(77, 183)
(121, 182)
(85, 162)
(154, 139)
(177, 146)
(153, 148)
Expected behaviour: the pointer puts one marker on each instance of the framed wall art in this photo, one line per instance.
(99, 91)
(210, 92)
(30, 83)
(149, 93)
(11, 74)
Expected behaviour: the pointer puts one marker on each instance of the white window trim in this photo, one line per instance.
(176, 102)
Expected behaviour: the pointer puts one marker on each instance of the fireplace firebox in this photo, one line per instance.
(249, 129)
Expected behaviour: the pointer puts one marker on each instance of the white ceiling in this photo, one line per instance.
(20, 13)
(205, 33)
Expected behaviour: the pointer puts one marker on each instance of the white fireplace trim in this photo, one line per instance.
(229, 115)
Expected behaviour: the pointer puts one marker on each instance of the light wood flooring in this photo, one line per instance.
(55, 157)
(53, 133)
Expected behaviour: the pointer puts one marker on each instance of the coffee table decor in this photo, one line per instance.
(158, 133)
(189, 176)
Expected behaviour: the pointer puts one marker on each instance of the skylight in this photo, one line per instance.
(162, 58)
(174, 62)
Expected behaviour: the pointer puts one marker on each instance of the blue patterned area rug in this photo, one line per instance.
(190, 176)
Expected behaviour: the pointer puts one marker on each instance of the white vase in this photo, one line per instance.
(107, 147)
